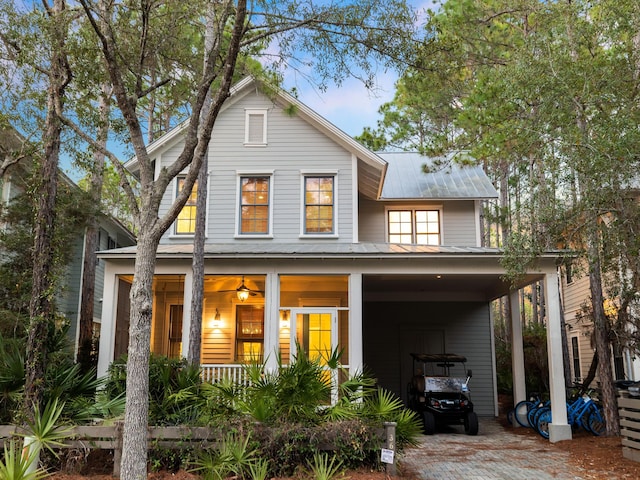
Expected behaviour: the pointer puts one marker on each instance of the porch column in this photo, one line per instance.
(186, 312)
(559, 429)
(355, 324)
(271, 322)
(517, 350)
(108, 321)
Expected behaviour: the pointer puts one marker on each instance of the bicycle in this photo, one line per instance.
(581, 412)
(522, 409)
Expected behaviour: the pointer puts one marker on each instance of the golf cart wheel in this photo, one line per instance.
(471, 423)
(429, 423)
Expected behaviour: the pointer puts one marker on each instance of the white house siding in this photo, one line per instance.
(464, 329)
(293, 146)
(458, 221)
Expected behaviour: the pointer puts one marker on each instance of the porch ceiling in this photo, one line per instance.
(446, 287)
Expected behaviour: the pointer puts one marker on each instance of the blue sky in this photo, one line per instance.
(351, 106)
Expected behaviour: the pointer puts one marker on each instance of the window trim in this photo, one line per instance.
(575, 358)
(247, 115)
(304, 174)
(245, 174)
(413, 209)
(174, 229)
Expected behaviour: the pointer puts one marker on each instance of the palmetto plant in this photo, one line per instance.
(386, 407)
(11, 377)
(16, 466)
(323, 467)
(233, 456)
(43, 432)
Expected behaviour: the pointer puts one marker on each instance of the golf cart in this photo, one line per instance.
(439, 392)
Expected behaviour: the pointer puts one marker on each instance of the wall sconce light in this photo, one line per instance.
(284, 315)
(216, 319)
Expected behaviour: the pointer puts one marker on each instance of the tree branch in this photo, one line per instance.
(115, 161)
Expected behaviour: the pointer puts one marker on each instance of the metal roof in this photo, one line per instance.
(311, 250)
(405, 179)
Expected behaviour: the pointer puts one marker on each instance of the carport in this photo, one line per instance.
(447, 309)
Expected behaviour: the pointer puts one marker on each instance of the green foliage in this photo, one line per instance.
(267, 419)
(63, 381)
(259, 469)
(534, 337)
(16, 466)
(175, 389)
(11, 377)
(234, 457)
(46, 430)
(324, 467)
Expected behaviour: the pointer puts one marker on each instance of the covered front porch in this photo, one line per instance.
(373, 310)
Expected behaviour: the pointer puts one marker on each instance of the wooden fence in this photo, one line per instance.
(629, 410)
(110, 438)
(181, 437)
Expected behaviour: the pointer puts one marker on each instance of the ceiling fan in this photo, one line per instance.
(243, 292)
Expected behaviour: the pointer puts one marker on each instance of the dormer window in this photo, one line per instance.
(415, 226)
(255, 127)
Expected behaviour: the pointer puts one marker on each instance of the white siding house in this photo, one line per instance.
(337, 247)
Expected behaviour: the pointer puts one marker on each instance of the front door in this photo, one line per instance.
(316, 333)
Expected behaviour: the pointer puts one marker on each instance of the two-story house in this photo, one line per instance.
(314, 240)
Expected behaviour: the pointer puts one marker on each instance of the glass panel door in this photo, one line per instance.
(316, 333)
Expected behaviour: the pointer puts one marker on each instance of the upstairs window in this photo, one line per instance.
(414, 226)
(254, 205)
(186, 221)
(319, 205)
(255, 127)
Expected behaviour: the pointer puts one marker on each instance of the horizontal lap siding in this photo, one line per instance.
(458, 224)
(458, 220)
(467, 331)
(293, 145)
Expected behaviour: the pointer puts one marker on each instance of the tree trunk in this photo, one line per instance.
(197, 298)
(197, 291)
(85, 357)
(41, 307)
(134, 465)
(593, 368)
(603, 346)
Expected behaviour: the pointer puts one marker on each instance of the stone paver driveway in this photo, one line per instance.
(491, 455)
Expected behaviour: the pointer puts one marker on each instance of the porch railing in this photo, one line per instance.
(215, 372)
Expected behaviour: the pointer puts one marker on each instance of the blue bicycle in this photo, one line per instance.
(582, 412)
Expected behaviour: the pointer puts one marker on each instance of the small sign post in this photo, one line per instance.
(388, 453)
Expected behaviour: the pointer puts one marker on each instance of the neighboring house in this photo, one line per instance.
(314, 240)
(112, 234)
(581, 345)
